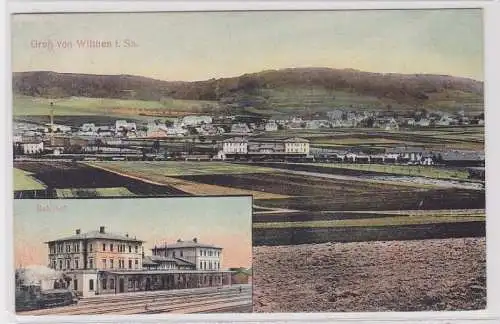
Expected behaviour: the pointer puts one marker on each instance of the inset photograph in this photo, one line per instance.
(133, 256)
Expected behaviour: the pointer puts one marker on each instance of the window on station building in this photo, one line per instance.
(77, 265)
(130, 284)
(182, 253)
(104, 263)
(130, 249)
(60, 264)
(111, 284)
(111, 261)
(104, 284)
(111, 247)
(91, 284)
(130, 264)
(54, 264)
(201, 265)
(136, 249)
(68, 248)
(104, 246)
(91, 263)
(136, 263)
(173, 254)
(90, 247)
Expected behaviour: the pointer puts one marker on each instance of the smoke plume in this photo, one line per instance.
(37, 275)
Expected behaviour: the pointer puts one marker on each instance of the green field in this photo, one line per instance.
(466, 138)
(24, 181)
(293, 100)
(410, 170)
(376, 222)
(179, 168)
(25, 106)
(290, 100)
(99, 192)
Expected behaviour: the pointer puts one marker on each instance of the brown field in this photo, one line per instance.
(419, 275)
(321, 194)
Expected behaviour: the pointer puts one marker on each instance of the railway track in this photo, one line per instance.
(157, 303)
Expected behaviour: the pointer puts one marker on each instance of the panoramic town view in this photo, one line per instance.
(102, 270)
(366, 165)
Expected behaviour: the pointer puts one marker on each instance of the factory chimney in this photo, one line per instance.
(51, 132)
(51, 114)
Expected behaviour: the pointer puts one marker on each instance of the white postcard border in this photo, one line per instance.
(492, 106)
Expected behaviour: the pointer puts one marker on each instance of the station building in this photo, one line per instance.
(252, 147)
(99, 262)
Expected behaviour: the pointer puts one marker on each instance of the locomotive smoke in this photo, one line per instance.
(38, 274)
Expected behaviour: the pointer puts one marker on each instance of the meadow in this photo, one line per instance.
(24, 180)
(290, 99)
(438, 138)
(83, 106)
(410, 170)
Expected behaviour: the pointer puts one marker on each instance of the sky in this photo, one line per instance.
(191, 46)
(224, 221)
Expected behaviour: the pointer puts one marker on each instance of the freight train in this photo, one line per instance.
(31, 297)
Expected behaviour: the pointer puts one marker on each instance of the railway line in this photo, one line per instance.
(212, 300)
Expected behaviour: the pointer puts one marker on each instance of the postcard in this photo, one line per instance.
(359, 134)
(133, 256)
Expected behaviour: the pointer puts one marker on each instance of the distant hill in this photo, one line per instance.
(273, 91)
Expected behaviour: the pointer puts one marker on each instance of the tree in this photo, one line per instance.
(98, 143)
(75, 148)
(156, 146)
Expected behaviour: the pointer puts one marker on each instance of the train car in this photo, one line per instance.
(477, 173)
(33, 297)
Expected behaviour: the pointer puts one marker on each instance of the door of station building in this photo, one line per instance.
(121, 286)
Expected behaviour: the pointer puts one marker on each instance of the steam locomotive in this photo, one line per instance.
(31, 297)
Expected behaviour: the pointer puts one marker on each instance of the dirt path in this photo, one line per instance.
(421, 275)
